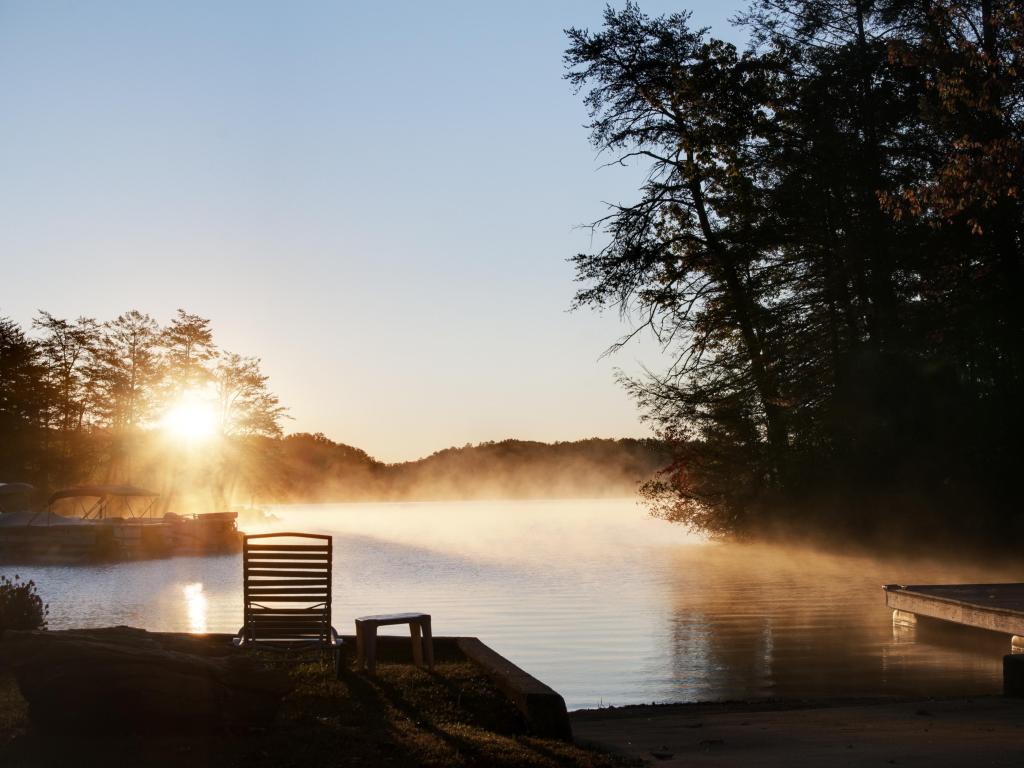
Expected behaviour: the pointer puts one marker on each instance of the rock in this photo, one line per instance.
(124, 678)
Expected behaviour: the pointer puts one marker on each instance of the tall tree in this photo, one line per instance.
(247, 407)
(189, 347)
(248, 411)
(65, 347)
(695, 257)
(125, 370)
(970, 58)
(24, 402)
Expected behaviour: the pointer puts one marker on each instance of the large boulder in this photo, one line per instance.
(124, 678)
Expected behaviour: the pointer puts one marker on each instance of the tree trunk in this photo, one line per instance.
(744, 310)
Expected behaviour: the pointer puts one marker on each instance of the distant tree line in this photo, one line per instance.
(78, 398)
(310, 467)
(82, 401)
(828, 242)
(528, 469)
(305, 467)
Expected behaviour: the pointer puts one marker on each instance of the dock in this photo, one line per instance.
(995, 607)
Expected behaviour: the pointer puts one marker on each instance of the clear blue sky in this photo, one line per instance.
(378, 199)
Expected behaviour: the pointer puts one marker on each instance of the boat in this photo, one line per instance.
(110, 522)
(25, 535)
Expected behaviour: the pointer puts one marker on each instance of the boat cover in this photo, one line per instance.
(98, 491)
(16, 519)
(13, 489)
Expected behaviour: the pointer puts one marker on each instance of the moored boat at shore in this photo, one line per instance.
(109, 522)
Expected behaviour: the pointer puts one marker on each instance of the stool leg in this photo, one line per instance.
(417, 643)
(428, 642)
(371, 649)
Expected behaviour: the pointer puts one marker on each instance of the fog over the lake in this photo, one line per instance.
(594, 597)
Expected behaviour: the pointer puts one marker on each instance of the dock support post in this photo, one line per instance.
(904, 618)
(1013, 674)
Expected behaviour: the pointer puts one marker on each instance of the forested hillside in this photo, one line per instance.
(310, 467)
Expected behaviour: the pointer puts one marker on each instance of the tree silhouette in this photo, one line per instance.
(828, 241)
(189, 350)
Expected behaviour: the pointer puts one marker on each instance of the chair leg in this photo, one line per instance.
(417, 643)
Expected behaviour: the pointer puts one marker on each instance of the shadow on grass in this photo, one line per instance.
(403, 717)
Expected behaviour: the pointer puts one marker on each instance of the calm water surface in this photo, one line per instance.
(602, 602)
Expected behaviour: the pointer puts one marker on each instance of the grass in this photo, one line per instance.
(403, 717)
(13, 712)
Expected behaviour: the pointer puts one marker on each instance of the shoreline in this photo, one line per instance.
(757, 705)
(935, 732)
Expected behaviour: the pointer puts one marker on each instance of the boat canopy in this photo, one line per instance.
(100, 491)
(15, 489)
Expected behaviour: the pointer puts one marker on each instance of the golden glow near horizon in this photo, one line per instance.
(402, 354)
(192, 418)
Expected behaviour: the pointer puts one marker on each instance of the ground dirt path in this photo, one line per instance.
(984, 731)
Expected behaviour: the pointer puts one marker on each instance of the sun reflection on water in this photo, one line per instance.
(195, 605)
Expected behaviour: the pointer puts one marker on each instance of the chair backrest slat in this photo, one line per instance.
(287, 588)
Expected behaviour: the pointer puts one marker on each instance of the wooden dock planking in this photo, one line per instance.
(995, 607)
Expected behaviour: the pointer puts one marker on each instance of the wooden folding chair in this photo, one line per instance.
(287, 592)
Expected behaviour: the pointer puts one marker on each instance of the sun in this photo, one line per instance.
(191, 418)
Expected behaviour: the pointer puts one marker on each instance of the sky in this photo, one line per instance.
(376, 199)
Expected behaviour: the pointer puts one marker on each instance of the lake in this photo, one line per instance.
(599, 600)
